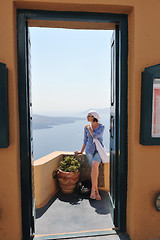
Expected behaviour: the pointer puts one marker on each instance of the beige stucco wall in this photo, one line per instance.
(143, 162)
(45, 185)
(10, 203)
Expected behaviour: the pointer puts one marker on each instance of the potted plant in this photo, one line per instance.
(68, 173)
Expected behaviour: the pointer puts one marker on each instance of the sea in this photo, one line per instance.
(63, 137)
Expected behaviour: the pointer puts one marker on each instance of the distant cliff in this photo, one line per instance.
(101, 111)
(40, 121)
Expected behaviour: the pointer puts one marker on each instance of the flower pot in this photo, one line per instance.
(67, 180)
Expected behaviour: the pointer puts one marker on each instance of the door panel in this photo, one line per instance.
(32, 198)
(114, 126)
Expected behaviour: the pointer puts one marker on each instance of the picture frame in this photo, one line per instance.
(4, 122)
(150, 106)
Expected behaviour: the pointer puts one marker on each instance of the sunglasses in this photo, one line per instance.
(89, 115)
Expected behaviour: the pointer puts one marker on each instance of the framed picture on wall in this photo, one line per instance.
(4, 128)
(150, 106)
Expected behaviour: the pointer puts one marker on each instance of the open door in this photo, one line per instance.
(32, 195)
(114, 125)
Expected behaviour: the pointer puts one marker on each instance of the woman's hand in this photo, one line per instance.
(89, 129)
(88, 126)
(82, 150)
(78, 152)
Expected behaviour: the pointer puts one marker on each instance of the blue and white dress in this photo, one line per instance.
(91, 151)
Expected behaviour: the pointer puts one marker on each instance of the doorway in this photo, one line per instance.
(70, 76)
(119, 180)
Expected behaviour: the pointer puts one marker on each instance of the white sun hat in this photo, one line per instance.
(95, 114)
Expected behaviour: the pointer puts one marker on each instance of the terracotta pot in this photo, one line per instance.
(67, 180)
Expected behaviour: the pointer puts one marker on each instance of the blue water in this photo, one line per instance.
(64, 137)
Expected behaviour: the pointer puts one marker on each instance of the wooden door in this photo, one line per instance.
(30, 133)
(114, 125)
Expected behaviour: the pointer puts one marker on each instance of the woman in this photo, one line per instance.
(93, 131)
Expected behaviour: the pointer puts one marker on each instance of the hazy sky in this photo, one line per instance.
(70, 70)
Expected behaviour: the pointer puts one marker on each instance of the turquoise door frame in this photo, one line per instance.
(24, 116)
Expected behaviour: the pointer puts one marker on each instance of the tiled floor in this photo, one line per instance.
(109, 237)
(75, 213)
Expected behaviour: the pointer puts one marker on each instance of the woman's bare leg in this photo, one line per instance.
(94, 180)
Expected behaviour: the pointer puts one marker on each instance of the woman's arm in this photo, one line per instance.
(98, 132)
(84, 143)
(89, 129)
(82, 150)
